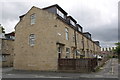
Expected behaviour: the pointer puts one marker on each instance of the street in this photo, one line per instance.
(109, 70)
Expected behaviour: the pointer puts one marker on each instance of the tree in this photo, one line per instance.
(117, 50)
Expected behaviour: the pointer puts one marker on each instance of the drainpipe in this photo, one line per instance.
(83, 44)
(75, 41)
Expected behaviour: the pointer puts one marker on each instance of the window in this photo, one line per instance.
(0, 46)
(32, 39)
(73, 23)
(59, 52)
(32, 18)
(73, 38)
(60, 13)
(79, 29)
(4, 58)
(77, 52)
(67, 33)
(67, 52)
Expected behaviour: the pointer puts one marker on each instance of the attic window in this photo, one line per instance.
(73, 23)
(32, 18)
(60, 13)
(79, 29)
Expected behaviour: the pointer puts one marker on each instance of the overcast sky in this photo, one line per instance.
(99, 17)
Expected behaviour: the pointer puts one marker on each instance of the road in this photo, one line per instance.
(109, 70)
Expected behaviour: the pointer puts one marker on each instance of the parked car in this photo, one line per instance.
(99, 57)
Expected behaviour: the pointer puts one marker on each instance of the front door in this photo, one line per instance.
(59, 52)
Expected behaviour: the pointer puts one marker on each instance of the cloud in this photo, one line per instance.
(99, 17)
(12, 10)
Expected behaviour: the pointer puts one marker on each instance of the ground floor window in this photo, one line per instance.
(59, 51)
(67, 52)
(4, 57)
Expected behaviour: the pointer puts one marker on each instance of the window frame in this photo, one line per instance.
(60, 14)
(67, 52)
(32, 18)
(72, 22)
(79, 29)
(32, 39)
(67, 33)
(4, 58)
(59, 50)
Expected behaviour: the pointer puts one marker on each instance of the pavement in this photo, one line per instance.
(108, 71)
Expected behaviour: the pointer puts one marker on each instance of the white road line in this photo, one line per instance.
(50, 77)
(98, 76)
(112, 70)
(10, 74)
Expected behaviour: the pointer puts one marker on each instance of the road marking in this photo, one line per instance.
(112, 70)
(10, 74)
(101, 68)
(50, 77)
(98, 76)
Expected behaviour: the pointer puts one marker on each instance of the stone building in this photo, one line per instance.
(42, 36)
(6, 49)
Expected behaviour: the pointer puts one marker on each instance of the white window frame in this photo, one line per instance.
(60, 13)
(4, 58)
(59, 50)
(32, 39)
(77, 52)
(67, 33)
(73, 23)
(79, 29)
(32, 19)
(67, 52)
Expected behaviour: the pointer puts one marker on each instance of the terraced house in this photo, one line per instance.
(6, 48)
(45, 35)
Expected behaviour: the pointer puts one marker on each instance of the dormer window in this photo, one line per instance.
(60, 13)
(87, 34)
(79, 29)
(56, 9)
(73, 23)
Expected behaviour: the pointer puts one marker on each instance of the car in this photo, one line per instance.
(99, 57)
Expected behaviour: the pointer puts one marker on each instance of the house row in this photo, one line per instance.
(42, 36)
(6, 48)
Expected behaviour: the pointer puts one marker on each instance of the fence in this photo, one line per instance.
(79, 65)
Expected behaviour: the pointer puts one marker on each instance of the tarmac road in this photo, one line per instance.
(108, 72)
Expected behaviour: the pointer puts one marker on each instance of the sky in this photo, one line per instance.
(99, 17)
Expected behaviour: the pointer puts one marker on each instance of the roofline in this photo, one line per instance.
(9, 39)
(79, 26)
(72, 18)
(10, 33)
(77, 31)
(56, 5)
(86, 33)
